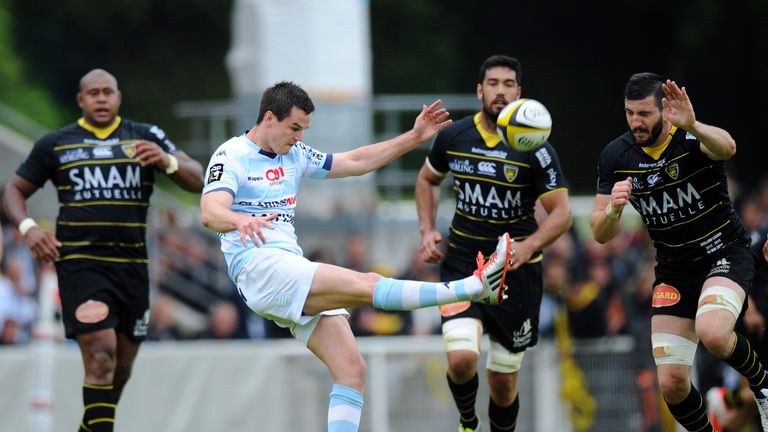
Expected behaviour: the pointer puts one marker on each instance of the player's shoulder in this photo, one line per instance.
(459, 127)
(143, 129)
(619, 145)
(304, 150)
(234, 148)
(55, 137)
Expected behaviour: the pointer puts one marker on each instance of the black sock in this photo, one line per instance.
(691, 413)
(503, 419)
(744, 359)
(465, 395)
(99, 403)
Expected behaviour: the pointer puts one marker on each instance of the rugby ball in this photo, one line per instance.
(524, 125)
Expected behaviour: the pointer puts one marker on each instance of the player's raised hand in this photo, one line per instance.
(620, 194)
(430, 121)
(250, 227)
(676, 106)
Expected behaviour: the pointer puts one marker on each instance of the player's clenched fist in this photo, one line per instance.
(620, 194)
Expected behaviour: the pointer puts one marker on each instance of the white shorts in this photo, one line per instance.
(275, 283)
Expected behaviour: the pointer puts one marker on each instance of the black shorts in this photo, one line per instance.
(124, 288)
(678, 286)
(513, 323)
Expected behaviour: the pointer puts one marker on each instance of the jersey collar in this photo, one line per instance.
(491, 139)
(656, 152)
(101, 133)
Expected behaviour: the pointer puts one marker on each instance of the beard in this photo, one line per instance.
(653, 134)
(490, 114)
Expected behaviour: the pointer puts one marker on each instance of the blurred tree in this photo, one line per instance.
(16, 90)
(161, 51)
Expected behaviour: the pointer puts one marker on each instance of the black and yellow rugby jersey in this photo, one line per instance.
(103, 192)
(680, 193)
(496, 187)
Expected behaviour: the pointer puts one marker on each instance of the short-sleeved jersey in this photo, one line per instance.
(262, 184)
(103, 191)
(496, 187)
(682, 195)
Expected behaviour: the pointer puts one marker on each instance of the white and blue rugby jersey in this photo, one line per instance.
(261, 184)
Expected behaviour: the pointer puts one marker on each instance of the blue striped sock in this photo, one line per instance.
(395, 294)
(344, 409)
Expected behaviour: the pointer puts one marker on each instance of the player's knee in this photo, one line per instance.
(462, 364)
(673, 385)
(714, 337)
(100, 364)
(503, 387)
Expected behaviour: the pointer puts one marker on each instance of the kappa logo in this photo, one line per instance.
(215, 172)
(672, 170)
(510, 172)
(722, 262)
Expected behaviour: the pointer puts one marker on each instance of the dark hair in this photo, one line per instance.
(281, 97)
(644, 84)
(501, 60)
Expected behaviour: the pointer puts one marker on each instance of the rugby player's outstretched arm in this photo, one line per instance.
(371, 157)
(716, 143)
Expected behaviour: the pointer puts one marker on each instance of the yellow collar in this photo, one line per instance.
(101, 133)
(656, 152)
(491, 139)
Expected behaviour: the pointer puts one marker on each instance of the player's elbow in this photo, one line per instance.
(205, 220)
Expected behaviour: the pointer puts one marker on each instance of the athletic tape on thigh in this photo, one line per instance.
(672, 349)
(502, 360)
(462, 334)
(719, 297)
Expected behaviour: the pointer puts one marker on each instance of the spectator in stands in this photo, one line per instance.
(162, 323)
(223, 322)
(16, 301)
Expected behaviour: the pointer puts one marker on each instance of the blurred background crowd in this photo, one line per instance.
(605, 289)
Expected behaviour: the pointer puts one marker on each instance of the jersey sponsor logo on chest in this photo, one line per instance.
(277, 175)
(74, 155)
